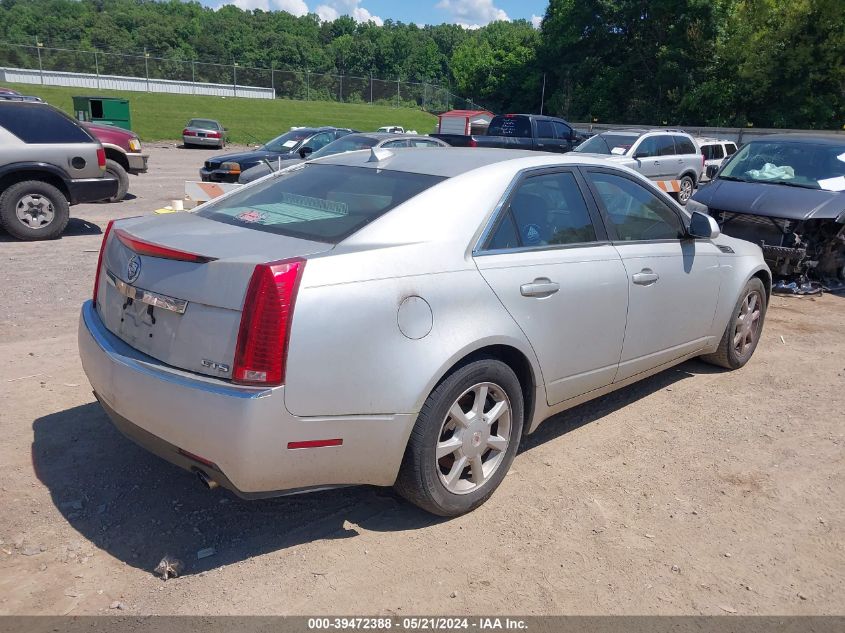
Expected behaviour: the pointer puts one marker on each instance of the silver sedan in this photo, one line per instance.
(404, 317)
(205, 132)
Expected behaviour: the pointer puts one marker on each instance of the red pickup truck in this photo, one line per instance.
(123, 154)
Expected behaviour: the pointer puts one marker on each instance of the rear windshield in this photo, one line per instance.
(40, 123)
(607, 143)
(518, 126)
(323, 203)
(205, 124)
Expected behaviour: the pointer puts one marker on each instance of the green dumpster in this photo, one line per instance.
(108, 110)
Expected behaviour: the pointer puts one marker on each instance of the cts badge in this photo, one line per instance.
(223, 368)
(133, 268)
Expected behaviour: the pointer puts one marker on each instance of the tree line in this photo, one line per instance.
(769, 63)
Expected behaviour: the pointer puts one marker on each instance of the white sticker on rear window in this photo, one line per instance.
(833, 184)
(841, 157)
(289, 143)
(619, 151)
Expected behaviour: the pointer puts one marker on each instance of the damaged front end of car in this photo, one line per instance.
(805, 256)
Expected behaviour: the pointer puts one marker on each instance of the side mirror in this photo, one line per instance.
(703, 226)
(305, 151)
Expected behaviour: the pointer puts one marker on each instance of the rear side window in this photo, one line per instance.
(545, 129)
(324, 203)
(665, 145)
(545, 210)
(518, 126)
(683, 145)
(712, 152)
(41, 124)
(730, 149)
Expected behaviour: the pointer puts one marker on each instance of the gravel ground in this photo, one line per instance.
(697, 491)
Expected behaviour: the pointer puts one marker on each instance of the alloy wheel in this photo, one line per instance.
(473, 438)
(747, 327)
(686, 190)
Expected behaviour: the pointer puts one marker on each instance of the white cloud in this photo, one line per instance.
(336, 8)
(295, 7)
(472, 13)
(536, 21)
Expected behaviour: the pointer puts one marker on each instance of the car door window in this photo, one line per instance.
(684, 145)
(665, 145)
(562, 131)
(647, 147)
(319, 141)
(635, 212)
(730, 149)
(545, 210)
(717, 152)
(545, 129)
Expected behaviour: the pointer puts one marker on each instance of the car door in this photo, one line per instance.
(547, 258)
(564, 134)
(673, 281)
(646, 154)
(545, 139)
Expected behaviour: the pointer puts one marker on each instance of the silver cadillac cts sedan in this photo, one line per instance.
(404, 317)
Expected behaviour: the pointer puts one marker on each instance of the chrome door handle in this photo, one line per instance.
(657, 162)
(540, 287)
(645, 277)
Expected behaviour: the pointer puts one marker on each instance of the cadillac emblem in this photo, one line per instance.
(133, 269)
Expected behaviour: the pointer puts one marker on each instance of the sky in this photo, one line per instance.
(468, 13)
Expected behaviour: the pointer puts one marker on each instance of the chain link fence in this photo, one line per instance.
(284, 83)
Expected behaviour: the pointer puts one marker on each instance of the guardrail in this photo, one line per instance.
(738, 134)
(133, 84)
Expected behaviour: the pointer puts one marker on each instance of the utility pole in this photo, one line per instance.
(371, 87)
(397, 91)
(193, 76)
(97, 69)
(147, 67)
(38, 47)
(234, 77)
(307, 87)
(543, 94)
(273, 78)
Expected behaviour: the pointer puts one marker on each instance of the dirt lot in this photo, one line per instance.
(695, 492)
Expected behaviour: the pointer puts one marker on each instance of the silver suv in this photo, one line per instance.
(48, 162)
(670, 157)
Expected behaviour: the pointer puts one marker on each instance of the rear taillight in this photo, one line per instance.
(101, 157)
(213, 135)
(261, 351)
(187, 132)
(100, 261)
(143, 247)
(473, 143)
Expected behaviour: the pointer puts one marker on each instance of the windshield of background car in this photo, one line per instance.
(799, 164)
(323, 203)
(517, 126)
(606, 143)
(346, 144)
(287, 142)
(204, 124)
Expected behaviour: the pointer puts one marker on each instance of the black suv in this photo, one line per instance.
(48, 162)
(293, 145)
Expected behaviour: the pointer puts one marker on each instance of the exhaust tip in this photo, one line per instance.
(206, 481)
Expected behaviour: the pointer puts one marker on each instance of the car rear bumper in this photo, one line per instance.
(241, 433)
(137, 162)
(202, 140)
(91, 189)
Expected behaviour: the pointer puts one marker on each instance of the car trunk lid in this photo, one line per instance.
(173, 287)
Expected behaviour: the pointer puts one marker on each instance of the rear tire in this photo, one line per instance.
(116, 169)
(34, 210)
(459, 452)
(687, 187)
(743, 330)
